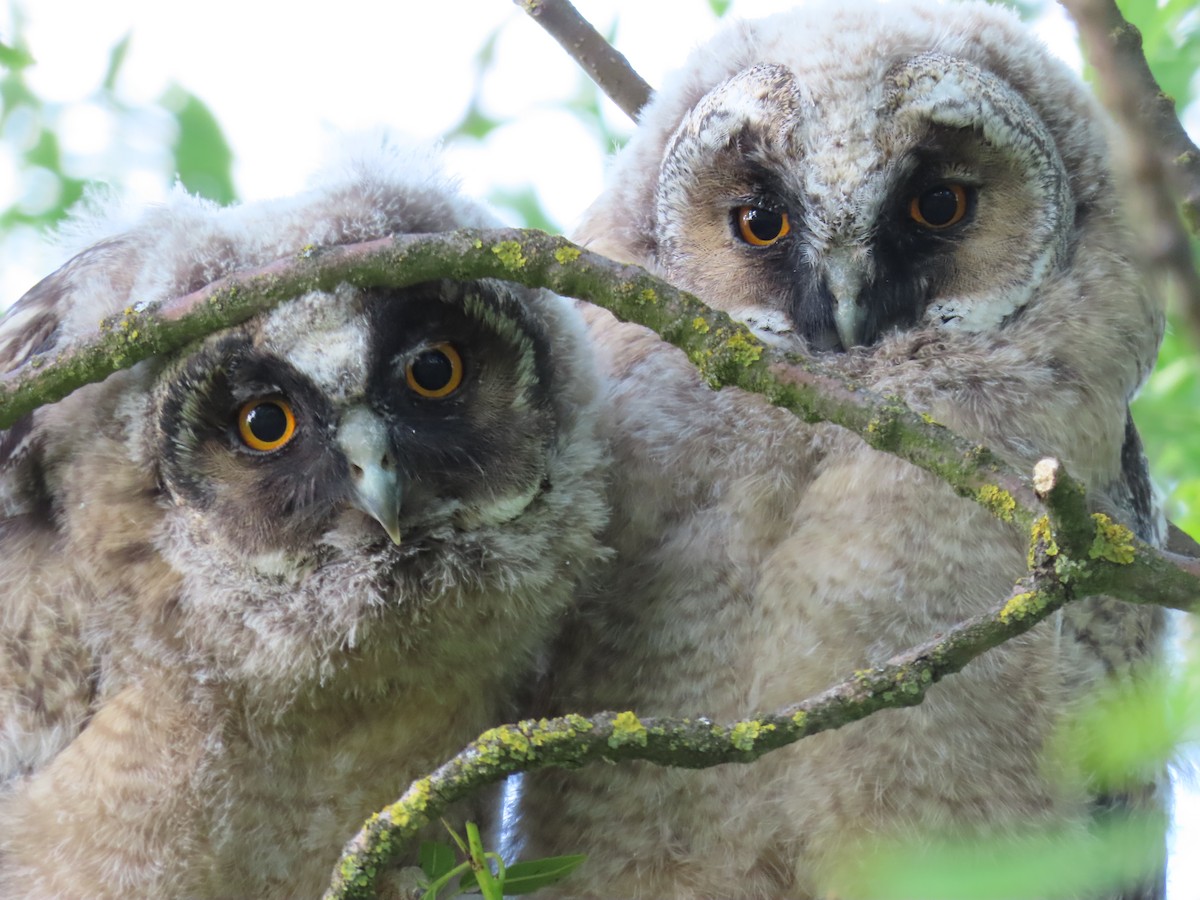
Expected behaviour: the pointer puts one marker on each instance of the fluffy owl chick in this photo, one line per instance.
(920, 195)
(249, 592)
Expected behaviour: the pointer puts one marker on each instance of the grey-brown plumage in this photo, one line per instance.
(249, 592)
(920, 196)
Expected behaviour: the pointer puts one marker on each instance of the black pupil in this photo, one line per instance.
(432, 370)
(764, 224)
(938, 206)
(267, 422)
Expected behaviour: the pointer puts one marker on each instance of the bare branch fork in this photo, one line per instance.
(610, 70)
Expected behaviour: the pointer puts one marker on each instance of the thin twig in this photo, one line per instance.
(597, 57)
(1163, 162)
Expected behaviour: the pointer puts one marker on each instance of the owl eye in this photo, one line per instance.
(266, 425)
(760, 227)
(436, 372)
(939, 207)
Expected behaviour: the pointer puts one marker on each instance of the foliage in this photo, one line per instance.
(483, 873)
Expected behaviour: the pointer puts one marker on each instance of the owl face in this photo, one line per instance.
(352, 467)
(886, 173)
(379, 420)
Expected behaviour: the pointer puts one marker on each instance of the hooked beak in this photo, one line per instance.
(364, 440)
(845, 280)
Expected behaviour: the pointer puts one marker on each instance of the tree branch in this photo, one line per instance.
(725, 352)
(1073, 554)
(597, 57)
(1163, 162)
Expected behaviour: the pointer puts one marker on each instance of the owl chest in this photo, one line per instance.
(289, 797)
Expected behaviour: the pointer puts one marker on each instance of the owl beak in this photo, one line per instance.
(845, 280)
(364, 439)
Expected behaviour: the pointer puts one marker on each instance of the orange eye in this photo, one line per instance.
(761, 227)
(266, 425)
(939, 207)
(436, 372)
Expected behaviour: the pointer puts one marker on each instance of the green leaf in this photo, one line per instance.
(435, 859)
(1119, 852)
(116, 59)
(719, 7)
(527, 877)
(203, 160)
(14, 58)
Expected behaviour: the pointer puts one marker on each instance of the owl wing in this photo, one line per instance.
(47, 675)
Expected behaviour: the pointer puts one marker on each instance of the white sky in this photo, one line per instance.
(285, 79)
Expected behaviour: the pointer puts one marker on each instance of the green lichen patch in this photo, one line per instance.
(1022, 605)
(699, 325)
(1041, 541)
(743, 348)
(566, 255)
(510, 254)
(1112, 542)
(800, 720)
(744, 734)
(999, 502)
(504, 742)
(627, 728)
(411, 806)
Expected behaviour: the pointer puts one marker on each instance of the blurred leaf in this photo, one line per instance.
(474, 124)
(719, 7)
(525, 203)
(116, 59)
(1168, 416)
(14, 58)
(1126, 735)
(203, 160)
(1052, 866)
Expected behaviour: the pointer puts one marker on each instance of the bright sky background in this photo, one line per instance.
(285, 79)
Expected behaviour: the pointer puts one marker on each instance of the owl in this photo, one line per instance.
(250, 591)
(920, 197)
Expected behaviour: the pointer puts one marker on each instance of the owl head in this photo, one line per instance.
(364, 473)
(844, 173)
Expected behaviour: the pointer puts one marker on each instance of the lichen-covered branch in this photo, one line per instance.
(1072, 554)
(1163, 163)
(725, 352)
(597, 57)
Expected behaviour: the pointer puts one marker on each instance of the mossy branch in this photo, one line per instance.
(1099, 555)
(1073, 554)
(725, 352)
(1162, 161)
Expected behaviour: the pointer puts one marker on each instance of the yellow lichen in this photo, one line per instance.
(1022, 605)
(306, 251)
(566, 255)
(1113, 542)
(414, 802)
(929, 420)
(477, 244)
(998, 501)
(700, 325)
(509, 253)
(627, 728)
(744, 347)
(1041, 540)
(504, 741)
(800, 719)
(744, 734)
